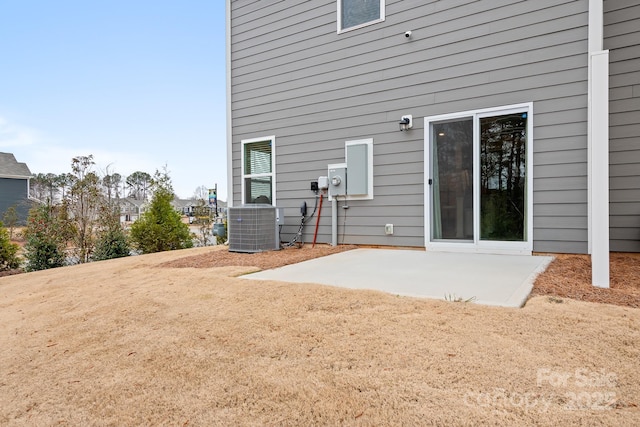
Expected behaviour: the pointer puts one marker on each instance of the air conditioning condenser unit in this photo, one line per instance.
(254, 228)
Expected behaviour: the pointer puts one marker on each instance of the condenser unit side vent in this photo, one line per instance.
(254, 228)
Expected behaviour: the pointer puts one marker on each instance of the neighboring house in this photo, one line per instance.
(187, 207)
(523, 119)
(131, 209)
(14, 186)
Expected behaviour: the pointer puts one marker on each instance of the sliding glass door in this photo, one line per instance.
(478, 190)
(503, 161)
(452, 180)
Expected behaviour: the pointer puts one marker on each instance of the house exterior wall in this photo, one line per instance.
(622, 38)
(294, 77)
(14, 192)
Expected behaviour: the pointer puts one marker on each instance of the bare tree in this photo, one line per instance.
(64, 182)
(111, 185)
(10, 219)
(37, 188)
(201, 193)
(204, 219)
(84, 202)
(44, 187)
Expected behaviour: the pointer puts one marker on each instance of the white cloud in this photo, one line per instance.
(15, 135)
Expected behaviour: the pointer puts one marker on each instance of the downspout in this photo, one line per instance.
(598, 147)
(229, 122)
(334, 221)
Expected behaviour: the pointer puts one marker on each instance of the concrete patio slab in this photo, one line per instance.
(499, 280)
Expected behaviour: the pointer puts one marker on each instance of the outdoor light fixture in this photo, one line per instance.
(406, 123)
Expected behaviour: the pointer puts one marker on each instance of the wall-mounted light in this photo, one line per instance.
(406, 122)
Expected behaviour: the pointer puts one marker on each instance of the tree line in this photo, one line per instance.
(52, 187)
(78, 219)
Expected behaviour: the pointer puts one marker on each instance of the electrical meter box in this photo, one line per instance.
(337, 180)
(357, 163)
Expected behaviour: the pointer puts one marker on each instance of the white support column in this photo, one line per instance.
(598, 146)
(599, 128)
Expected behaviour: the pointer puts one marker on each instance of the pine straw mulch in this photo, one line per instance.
(10, 272)
(221, 257)
(569, 276)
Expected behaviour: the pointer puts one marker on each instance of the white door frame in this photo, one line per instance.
(501, 247)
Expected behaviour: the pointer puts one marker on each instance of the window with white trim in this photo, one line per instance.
(353, 14)
(258, 170)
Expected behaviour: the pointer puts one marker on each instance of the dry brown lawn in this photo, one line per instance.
(153, 340)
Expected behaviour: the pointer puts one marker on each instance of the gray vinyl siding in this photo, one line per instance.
(622, 38)
(14, 192)
(293, 77)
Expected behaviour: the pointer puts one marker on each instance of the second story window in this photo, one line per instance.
(354, 14)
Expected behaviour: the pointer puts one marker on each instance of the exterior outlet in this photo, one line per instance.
(388, 229)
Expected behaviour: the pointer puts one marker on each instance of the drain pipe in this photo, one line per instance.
(334, 221)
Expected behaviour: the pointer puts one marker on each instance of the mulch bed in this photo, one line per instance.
(11, 272)
(264, 260)
(569, 276)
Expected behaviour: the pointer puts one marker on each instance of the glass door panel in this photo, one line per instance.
(503, 184)
(452, 186)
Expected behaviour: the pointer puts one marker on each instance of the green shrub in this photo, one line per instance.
(9, 259)
(160, 228)
(111, 243)
(111, 240)
(47, 233)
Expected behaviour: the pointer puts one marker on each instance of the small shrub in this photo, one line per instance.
(111, 244)
(160, 228)
(46, 234)
(9, 259)
(111, 240)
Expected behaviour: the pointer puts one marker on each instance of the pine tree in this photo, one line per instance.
(111, 241)
(160, 228)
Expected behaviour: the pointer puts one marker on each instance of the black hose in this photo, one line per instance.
(298, 237)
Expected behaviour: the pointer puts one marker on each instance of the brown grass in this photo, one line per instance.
(137, 341)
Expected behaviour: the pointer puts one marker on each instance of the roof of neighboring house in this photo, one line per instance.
(132, 201)
(10, 168)
(181, 202)
(193, 203)
(184, 203)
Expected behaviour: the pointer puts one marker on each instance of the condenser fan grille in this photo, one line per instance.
(253, 228)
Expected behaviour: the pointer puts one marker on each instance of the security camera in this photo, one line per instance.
(407, 34)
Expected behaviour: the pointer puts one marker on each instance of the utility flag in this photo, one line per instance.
(212, 196)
